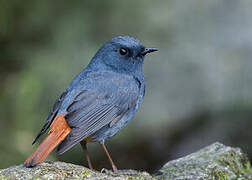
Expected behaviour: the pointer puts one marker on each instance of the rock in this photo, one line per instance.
(213, 162)
(61, 170)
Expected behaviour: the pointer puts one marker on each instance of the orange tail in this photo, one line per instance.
(59, 129)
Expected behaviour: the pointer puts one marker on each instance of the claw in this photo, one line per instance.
(106, 171)
(120, 172)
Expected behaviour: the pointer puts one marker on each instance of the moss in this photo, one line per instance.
(3, 177)
(83, 174)
(247, 167)
(217, 162)
(219, 175)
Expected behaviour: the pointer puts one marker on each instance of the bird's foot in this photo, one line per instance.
(120, 172)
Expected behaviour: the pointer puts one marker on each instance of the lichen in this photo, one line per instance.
(217, 162)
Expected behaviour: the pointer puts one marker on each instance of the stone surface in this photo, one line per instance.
(216, 161)
(61, 170)
(212, 162)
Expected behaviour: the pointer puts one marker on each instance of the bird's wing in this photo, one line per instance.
(51, 115)
(94, 108)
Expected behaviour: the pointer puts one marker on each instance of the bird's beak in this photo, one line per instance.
(148, 50)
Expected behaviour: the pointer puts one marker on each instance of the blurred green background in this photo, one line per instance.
(199, 86)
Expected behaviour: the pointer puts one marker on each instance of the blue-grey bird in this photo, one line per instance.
(99, 102)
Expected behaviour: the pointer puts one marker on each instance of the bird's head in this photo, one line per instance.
(122, 54)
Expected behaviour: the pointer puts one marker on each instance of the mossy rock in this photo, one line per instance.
(61, 170)
(215, 162)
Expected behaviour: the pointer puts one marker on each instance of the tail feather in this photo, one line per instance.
(59, 129)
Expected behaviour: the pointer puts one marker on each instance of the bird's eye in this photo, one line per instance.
(123, 51)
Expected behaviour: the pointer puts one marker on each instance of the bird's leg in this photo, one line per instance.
(114, 168)
(109, 157)
(84, 147)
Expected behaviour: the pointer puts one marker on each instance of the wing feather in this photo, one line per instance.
(90, 114)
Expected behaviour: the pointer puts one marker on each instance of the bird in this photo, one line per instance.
(98, 103)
